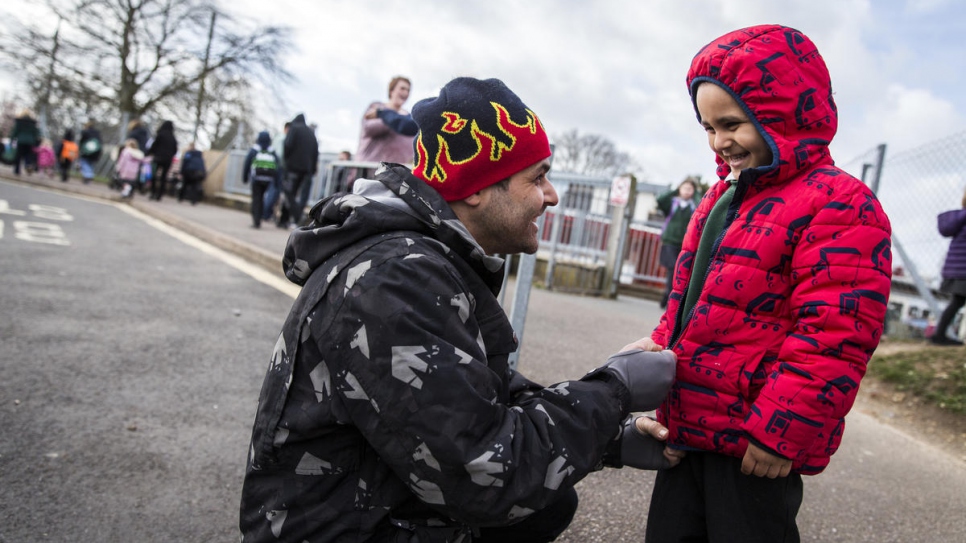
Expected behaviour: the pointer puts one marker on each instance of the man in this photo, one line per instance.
(272, 194)
(301, 162)
(389, 411)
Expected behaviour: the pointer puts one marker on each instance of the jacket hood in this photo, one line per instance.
(264, 140)
(394, 201)
(299, 119)
(166, 126)
(779, 78)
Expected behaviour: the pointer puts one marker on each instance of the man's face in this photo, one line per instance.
(731, 134)
(506, 220)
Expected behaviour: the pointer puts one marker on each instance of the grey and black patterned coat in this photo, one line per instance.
(389, 412)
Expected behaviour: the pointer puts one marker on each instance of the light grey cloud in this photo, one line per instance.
(617, 67)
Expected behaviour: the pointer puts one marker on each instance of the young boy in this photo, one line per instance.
(778, 299)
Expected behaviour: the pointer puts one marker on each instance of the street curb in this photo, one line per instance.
(256, 255)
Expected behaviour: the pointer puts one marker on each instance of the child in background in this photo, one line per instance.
(46, 159)
(128, 167)
(67, 153)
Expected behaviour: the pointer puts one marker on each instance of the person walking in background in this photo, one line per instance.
(46, 158)
(193, 173)
(137, 131)
(341, 180)
(163, 150)
(388, 129)
(306, 191)
(389, 411)
(261, 167)
(27, 135)
(274, 189)
(677, 206)
(952, 224)
(128, 167)
(90, 150)
(779, 296)
(301, 164)
(67, 152)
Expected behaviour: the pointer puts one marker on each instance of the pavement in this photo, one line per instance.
(221, 219)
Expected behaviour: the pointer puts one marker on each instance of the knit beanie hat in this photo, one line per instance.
(474, 134)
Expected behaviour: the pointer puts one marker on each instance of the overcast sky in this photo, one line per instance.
(617, 67)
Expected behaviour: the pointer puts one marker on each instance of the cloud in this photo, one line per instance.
(908, 117)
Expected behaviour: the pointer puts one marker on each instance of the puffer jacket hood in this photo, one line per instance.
(394, 201)
(264, 139)
(773, 70)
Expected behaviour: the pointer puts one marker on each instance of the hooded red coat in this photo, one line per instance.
(796, 290)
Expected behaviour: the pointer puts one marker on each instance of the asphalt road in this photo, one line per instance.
(130, 363)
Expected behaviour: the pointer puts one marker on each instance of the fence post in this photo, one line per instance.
(555, 233)
(622, 197)
(521, 299)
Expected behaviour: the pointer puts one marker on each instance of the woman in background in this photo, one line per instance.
(163, 150)
(952, 224)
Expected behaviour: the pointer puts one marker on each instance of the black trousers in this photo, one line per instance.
(542, 526)
(160, 181)
(706, 498)
(949, 314)
(258, 200)
(64, 165)
(289, 208)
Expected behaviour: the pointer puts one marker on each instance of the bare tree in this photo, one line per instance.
(143, 56)
(589, 154)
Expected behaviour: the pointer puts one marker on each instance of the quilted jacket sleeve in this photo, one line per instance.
(416, 381)
(951, 223)
(841, 273)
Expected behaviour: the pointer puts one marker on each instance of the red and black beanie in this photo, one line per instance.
(474, 134)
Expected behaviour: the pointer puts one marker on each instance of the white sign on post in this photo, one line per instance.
(620, 190)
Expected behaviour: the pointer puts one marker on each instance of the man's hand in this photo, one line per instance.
(762, 463)
(647, 375)
(644, 344)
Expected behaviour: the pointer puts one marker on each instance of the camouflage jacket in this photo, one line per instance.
(389, 412)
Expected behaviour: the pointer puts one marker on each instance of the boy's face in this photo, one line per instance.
(731, 134)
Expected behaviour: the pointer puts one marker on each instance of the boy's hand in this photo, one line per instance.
(644, 344)
(762, 463)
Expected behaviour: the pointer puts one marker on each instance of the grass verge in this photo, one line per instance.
(937, 375)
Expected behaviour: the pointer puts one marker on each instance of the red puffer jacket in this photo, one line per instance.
(796, 291)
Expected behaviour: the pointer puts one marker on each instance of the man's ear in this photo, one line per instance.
(474, 200)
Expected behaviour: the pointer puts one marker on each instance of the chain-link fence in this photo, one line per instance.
(914, 186)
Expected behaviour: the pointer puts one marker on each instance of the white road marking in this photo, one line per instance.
(255, 272)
